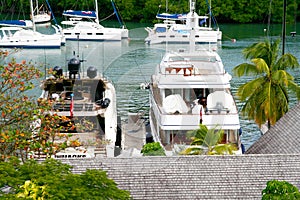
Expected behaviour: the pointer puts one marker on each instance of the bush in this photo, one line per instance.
(153, 149)
(280, 190)
(53, 180)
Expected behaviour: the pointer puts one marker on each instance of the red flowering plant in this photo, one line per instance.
(25, 126)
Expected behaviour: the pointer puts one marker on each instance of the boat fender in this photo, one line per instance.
(58, 71)
(104, 103)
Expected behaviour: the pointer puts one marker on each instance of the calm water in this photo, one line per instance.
(130, 63)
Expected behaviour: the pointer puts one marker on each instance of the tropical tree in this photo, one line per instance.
(25, 128)
(266, 97)
(208, 141)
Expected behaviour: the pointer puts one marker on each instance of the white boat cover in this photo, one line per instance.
(174, 104)
(221, 97)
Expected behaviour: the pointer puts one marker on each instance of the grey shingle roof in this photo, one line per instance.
(195, 177)
(282, 138)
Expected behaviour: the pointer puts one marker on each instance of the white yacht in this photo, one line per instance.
(187, 89)
(84, 25)
(176, 28)
(191, 87)
(88, 100)
(24, 35)
(18, 37)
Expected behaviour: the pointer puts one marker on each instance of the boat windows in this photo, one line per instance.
(176, 137)
(161, 29)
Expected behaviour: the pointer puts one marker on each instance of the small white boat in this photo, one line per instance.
(17, 37)
(92, 31)
(41, 14)
(84, 25)
(24, 35)
(176, 28)
(88, 100)
(188, 88)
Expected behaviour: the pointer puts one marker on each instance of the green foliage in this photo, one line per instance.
(25, 129)
(53, 180)
(153, 149)
(208, 141)
(237, 11)
(280, 190)
(266, 97)
(31, 191)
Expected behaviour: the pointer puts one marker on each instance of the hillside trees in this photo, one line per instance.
(233, 11)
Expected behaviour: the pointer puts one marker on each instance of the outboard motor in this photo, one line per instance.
(91, 72)
(58, 71)
(104, 103)
(73, 67)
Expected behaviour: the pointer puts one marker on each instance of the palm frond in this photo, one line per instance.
(261, 66)
(245, 69)
(246, 90)
(282, 77)
(192, 151)
(295, 88)
(213, 137)
(224, 149)
(287, 61)
(264, 50)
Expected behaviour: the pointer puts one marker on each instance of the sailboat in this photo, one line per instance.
(188, 88)
(41, 14)
(84, 25)
(172, 31)
(24, 37)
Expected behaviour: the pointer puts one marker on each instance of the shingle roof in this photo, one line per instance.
(282, 138)
(195, 177)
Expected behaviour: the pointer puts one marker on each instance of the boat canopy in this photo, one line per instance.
(80, 13)
(18, 23)
(171, 16)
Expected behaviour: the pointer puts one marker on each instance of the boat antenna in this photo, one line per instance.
(167, 6)
(96, 6)
(192, 34)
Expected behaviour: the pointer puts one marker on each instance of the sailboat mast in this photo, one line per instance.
(97, 16)
(166, 6)
(283, 26)
(32, 15)
(209, 14)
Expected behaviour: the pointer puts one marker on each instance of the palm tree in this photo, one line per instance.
(266, 97)
(208, 141)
